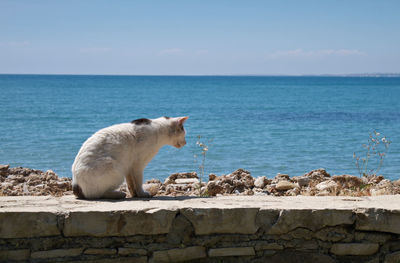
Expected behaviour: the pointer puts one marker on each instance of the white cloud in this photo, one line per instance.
(171, 51)
(317, 53)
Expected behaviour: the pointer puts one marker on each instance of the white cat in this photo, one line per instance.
(121, 152)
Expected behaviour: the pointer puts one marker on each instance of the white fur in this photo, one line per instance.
(121, 152)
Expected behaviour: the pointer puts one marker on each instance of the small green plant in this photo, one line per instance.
(204, 149)
(376, 148)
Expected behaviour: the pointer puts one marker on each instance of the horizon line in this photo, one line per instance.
(390, 74)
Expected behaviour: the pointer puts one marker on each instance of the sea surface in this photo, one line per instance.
(266, 125)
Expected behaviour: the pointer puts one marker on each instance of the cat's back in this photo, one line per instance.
(112, 135)
(106, 144)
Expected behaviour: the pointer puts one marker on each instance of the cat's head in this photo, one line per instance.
(177, 131)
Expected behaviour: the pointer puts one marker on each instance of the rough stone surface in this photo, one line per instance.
(4, 169)
(28, 224)
(378, 220)
(231, 251)
(268, 246)
(334, 234)
(219, 221)
(266, 218)
(296, 257)
(311, 219)
(55, 253)
(101, 251)
(25, 181)
(129, 251)
(372, 237)
(181, 231)
(19, 181)
(152, 188)
(393, 258)
(354, 249)
(260, 182)
(329, 185)
(284, 185)
(125, 223)
(187, 181)
(113, 260)
(240, 182)
(263, 228)
(18, 254)
(183, 254)
(303, 181)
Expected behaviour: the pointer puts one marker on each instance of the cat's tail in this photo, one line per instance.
(77, 190)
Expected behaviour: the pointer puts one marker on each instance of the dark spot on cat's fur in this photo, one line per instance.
(166, 117)
(141, 121)
(77, 190)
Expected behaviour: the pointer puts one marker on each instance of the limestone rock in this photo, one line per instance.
(4, 169)
(376, 192)
(181, 231)
(280, 177)
(298, 256)
(175, 176)
(313, 220)
(260, 182)
(100, 251)
(100, 224)
(329, 185)
(374, 260)
(284, 185)
(303, 181)
(379, 238)
(318, 175)
(231, 251)
(378, 220)
(28, 224)
(152, 188)
(333, 234)
(25, 181)
(179, 254)
(211, 177)
(323, 193)
(55, 253)
(268, 246)
(17, 255)
(354, 249)
(187, 181)
(393, 258)
(348, 181)
(124, 251)
(221, 221)
(238, 182)
(396, 182)
(266, 218)
(153, 181)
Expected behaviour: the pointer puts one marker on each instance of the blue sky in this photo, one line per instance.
(199, 37)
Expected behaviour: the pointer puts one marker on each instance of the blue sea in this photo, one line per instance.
(266, 125)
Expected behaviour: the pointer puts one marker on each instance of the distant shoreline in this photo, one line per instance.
(356, 75)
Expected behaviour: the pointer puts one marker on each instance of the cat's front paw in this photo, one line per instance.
(145, 194)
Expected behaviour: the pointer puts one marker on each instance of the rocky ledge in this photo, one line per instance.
(223, 229)
(24, 181)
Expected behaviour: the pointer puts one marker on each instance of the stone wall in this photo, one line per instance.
(223, 229)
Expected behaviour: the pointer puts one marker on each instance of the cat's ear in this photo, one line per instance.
(181, 120)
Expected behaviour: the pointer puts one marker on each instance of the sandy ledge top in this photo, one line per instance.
(67, 204)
